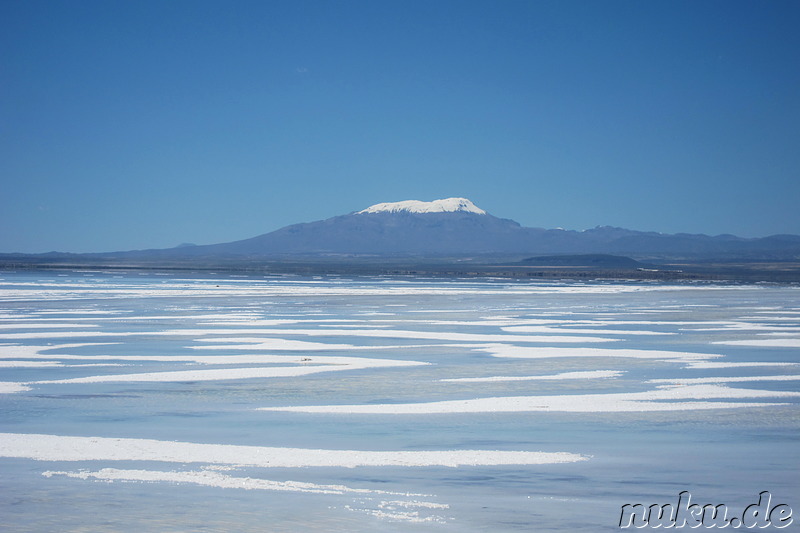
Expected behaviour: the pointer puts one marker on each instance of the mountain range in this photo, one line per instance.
(452, 229)
(456, 227)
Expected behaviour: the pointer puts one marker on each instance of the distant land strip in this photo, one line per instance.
(779, 272)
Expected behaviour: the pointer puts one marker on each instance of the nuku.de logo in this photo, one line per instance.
(687, 514)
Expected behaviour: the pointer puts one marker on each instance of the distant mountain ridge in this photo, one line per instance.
(456, 227)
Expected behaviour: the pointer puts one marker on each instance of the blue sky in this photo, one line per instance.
(145, 124)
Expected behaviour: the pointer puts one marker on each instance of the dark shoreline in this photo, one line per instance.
(748, 272)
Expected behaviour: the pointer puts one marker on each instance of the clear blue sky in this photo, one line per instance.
(145, 124)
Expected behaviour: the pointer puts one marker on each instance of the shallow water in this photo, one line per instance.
(118, 346)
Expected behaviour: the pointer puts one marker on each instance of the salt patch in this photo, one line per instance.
(766, 343)
(62, 448)
(527, 352)
(8, 387)
(589, 374)
(661, 399)
(211, 478)
(243, 373)
(720, 379)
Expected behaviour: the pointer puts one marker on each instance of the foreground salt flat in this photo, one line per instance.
(587, 361)
(63, 448)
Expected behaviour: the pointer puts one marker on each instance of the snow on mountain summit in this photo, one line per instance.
(447, 205)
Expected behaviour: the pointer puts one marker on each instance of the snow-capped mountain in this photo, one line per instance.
(448, 205)
(457, 227)
(441, 227)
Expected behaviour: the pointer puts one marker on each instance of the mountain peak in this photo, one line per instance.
(447, 205)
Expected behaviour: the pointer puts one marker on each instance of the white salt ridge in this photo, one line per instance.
(550, 329)
(717, 364)
(254, 323)
(390, 334)
(556, 322)
(128, 318)
(773, 318)
(526, 352)
(71, 334)
(42, 447)
(210, 478)
(394, 334)
(76, 312)
(66, 291)
(393, 515)
(766, 343)
(748, 326)
(7, 387)
(360, 324)
(240, 343)
(35, 352)
(412, 503)
(329, 364)
(41, 325)
(662, 399)
(15, 351)
(720, 379)
(589, 374)
(29, 364)
(342, 323)
(599, 323)
(447, 205)
(261, 343)
(49, 364)
(212, 359)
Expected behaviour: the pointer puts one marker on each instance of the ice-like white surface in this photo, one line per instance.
(66, 290)
(37, 353)
(63, 448)
(749, 326)
(766, 343)
(262, 343)
(527, 352)
(447, 205)
(567, 324)
(306, 366)
(677, 398)
(393, 511)
(742, 364)
(588, 374)
(250, 322)
(7, 387)
(721, 379)
(381, 333)
(783, 316)
(595, 331)
(212, 478)
(394, 334)
(19, 351)
(7, 363)
(75, 312)
(69, 334)
(44, 325)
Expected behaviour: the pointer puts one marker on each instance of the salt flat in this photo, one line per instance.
(386, 404)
